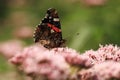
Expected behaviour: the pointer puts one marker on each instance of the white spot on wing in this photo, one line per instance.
(52, 31)
(46, 15)
(56, 19)
(50, 17)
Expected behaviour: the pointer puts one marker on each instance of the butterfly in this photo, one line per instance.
(48, 33)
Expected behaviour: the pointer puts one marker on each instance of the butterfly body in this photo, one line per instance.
(48, 33)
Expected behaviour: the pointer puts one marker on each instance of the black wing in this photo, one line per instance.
(48, 33)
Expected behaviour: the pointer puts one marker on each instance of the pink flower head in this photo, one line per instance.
(73, 58)
(108, 70)
(110, 52)
(104, 53)
(36, 60)
(10, 48)
(27, 52)
(94, 56)
(60, 63)
(94, 2)
(53, 65)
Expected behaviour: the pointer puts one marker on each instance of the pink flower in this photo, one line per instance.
(27, 52)
(36, 60)
(65, 63)
(10, 48)
(94, 2)
(104, 71)
(72, 57)
(104, 53)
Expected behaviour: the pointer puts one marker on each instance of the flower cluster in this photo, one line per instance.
(109, 70)
(36, 60)
(104, 53)
(64, 63)
(10, 48)
(94, 2)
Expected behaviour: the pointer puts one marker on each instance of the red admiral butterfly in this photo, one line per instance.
(48, 33)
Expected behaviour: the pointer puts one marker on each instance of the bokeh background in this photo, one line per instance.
(85, 23)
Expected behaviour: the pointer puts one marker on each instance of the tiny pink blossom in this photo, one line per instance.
(93, 56)
(72, 57)
(94, 2)
(10, 48)
(26, 53)
(108, 70)
(104, 53)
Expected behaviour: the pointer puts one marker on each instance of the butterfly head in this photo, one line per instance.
(52, 13)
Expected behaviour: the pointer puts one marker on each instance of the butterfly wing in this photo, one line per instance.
(48, 33)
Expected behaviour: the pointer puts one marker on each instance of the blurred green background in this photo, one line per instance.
(85, 23)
